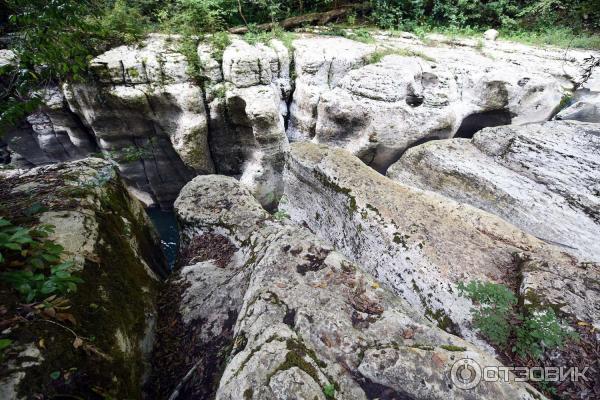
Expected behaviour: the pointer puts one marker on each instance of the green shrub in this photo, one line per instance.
(122, 24)
(496, 302)
(254, 36)
(31, 263)
(199, 16)
(219, 42)
(378, 55)
(540, 330)
(498, 318)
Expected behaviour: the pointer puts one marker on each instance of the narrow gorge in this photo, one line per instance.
(325, 211)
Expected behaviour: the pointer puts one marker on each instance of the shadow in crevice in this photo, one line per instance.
(476, 122)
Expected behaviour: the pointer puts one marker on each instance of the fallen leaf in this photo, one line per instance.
(408, 333)
(42, 344)
(438, 360)
(50, 312)
(375, 285)
(77, 343)
(66, 317)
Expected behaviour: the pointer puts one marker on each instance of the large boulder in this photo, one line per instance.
(148, 114)
(405, 97)
(97, 340)
(585, 109)
(265, 310)
(543, 178)
(376, 100)
(247, 111)
(381, 109)
(421, 245)
(319, 63)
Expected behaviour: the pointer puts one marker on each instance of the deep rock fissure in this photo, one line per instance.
(477, 121)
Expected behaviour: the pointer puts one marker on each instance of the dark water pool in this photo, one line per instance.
(166, 225)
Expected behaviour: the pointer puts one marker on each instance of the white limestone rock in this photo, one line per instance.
(319, 64)
(148, 114)
(305, 318)
(378, 111)
(543, 178)
(421, 244)
(491, 34)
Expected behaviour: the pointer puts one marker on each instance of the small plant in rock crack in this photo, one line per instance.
(219, 42)
(220, 91)
(31, 263)
(129, 154)
(280, 215)
(498, 318)
(329, 391)
(539, 330)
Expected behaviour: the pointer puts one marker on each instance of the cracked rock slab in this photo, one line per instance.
(307, 321)
(421, 244)
(543, 178)
(115, 251)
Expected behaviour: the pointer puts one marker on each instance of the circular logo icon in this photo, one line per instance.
(465, 373)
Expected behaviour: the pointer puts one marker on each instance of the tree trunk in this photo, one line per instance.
(312, 18)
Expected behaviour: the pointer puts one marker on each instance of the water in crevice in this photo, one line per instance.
(166, 226)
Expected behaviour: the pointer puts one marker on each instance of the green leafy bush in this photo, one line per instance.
(121, 23)
(539, 330)
(198, 16)
(219, 42)
(498, 318)
(31, 263)
(255, 36)
(496, 302)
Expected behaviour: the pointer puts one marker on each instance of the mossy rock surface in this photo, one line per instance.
(116, 252)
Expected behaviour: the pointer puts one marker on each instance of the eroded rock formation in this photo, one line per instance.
(421, 244)
(163, 126)
(356, 295)
(102, 344)
(543, 178)
(283, 313)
